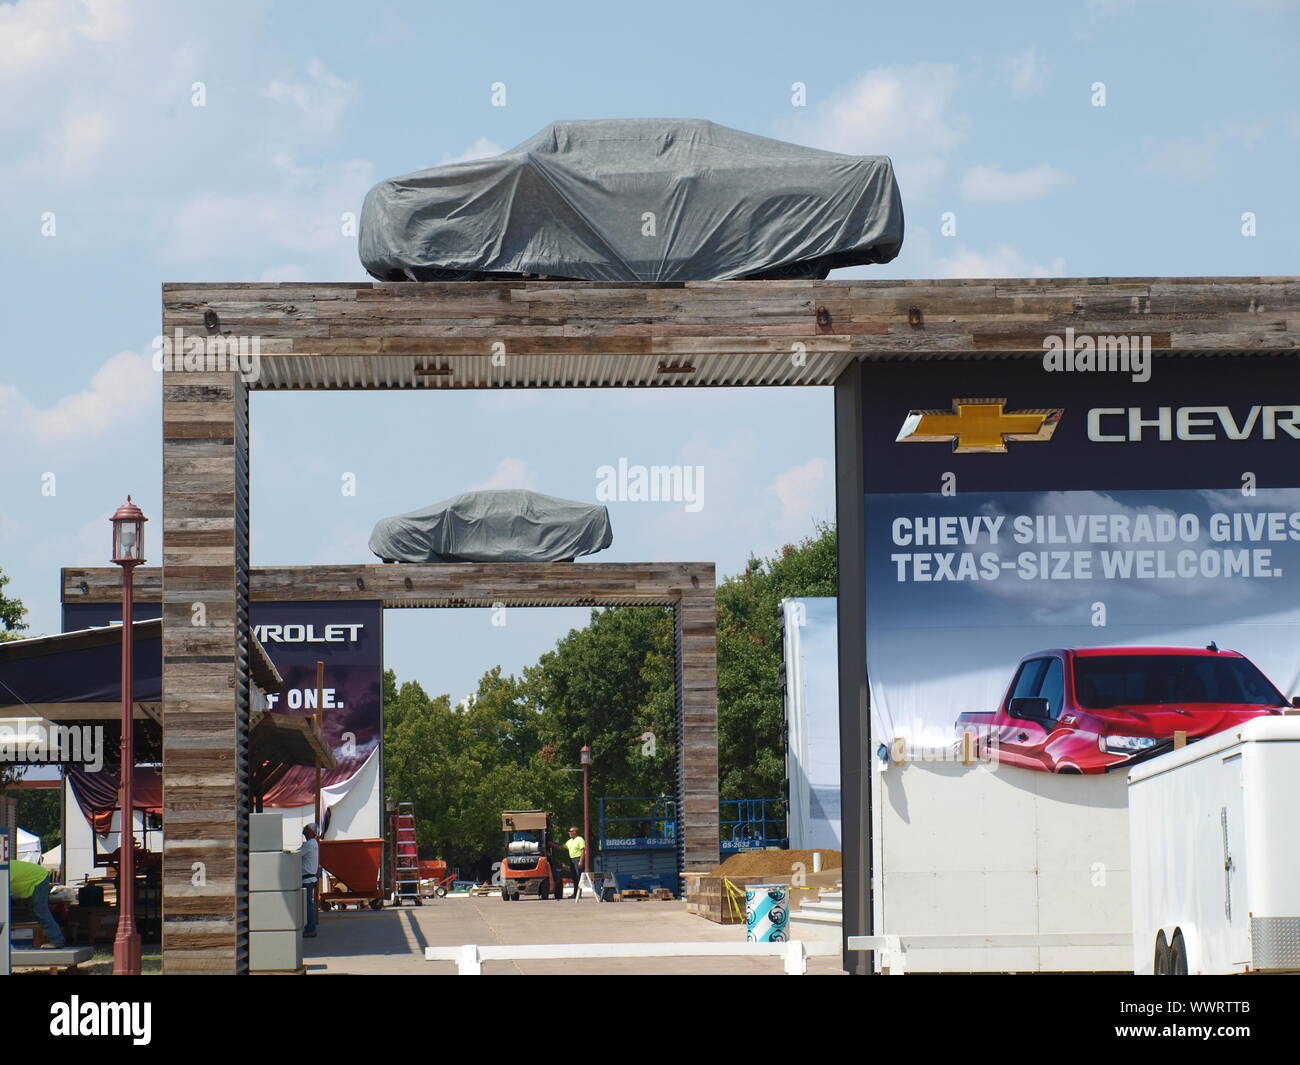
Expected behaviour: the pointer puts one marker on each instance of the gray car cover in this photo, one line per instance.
(635, 200)
(511, 525)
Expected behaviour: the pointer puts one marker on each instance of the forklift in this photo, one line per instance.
(532, 863)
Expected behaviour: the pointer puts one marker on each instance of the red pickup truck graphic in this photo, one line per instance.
(1087, 710)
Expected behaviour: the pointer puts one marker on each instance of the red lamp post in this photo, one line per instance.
(128, 552)
(584, 757)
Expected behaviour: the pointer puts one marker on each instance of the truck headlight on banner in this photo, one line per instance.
(1126, 744)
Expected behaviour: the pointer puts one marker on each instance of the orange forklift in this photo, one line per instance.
(532, 863)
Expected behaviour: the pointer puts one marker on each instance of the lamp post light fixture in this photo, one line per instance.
(584, 758)
(128, 552)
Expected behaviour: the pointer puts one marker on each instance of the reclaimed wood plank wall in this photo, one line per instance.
(205, 672)
(697, 726)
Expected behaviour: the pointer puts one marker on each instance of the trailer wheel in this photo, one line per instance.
(1160, 965)
(440, 891)
(376, 904)
(1178, 955)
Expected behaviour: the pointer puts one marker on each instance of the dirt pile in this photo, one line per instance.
(774, 863)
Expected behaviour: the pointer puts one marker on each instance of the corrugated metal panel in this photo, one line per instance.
(292, 372)
(528, 601)
(712, 370)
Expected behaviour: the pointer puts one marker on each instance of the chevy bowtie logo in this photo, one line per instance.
(975, 425)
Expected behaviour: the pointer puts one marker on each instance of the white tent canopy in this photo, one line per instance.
(29, 847)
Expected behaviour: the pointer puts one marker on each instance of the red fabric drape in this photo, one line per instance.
(98, 793)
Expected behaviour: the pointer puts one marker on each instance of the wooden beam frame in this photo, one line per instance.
(443, 585)
(539, 334)
(589, 334)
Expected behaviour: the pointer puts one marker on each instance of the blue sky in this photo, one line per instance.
(987, 110)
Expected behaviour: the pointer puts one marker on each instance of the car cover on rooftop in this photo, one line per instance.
(635, 200)
(511, 525)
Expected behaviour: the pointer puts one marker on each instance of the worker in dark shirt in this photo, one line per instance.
(310, 851)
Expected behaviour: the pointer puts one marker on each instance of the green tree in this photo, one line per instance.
(12, 613)
(611, 685)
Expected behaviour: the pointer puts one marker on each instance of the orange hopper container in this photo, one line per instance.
(356, 862)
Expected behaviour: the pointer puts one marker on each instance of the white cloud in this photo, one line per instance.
(77, 142)
(300, 211)
(480, 149)
(1185, 157)
(238, 188)
(345, 541)
(1028, 72)
(285, 272)
(125, 389)
(319, 100)
(510, 473)
(802, 492)
(903, 112)
(1197, 157)
(992, 184)
(1000, 261)
(926, 255)
(39, 34)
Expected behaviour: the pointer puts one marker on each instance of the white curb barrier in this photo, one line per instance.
(469, 958)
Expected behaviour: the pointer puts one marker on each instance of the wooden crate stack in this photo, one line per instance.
(707, 896)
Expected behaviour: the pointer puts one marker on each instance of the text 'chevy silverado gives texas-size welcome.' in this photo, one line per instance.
(1087, 710)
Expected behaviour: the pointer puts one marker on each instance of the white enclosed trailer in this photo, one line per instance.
(1215, 856)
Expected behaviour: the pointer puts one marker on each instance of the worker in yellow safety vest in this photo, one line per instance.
(27, 880)
(576, 846)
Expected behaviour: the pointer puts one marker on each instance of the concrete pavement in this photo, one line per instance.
(392, 940)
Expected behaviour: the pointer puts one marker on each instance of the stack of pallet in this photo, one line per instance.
(710, 896)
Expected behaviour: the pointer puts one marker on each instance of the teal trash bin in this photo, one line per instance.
(767, 913)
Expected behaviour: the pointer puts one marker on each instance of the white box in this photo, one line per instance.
(274, 951)
(274, 871)
(265, 832)
(275, 911)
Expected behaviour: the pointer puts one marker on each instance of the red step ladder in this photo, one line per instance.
(406, 858)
